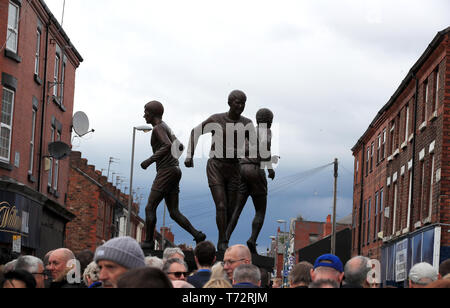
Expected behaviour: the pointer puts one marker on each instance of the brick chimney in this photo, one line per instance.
(328, 227)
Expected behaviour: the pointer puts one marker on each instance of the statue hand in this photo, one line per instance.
(145, 165)
(271, 174)
(189, 163)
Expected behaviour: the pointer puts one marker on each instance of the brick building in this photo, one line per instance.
(101, 209)
(402, 167)
(37, 67)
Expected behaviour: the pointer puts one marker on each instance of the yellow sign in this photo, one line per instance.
(9, 219)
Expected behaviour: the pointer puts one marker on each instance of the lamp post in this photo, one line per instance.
(144, 129)
(281, 221)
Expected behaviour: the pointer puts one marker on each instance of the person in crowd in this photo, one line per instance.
(181, 284)
(10, 266)
(176, 269)
(204, 256)
(300, 276)
(277, 283)
(154, 262)
(422, 274)
(91, 277)
(439, 284)
(34, 266)
(217, 271)
(18, 279)
(444, 269)
(355, 273)
(324, 284)
(144, 278)
(265, 281)
(173, 253)
(328, 267)
(218, 283)
(235, 256)
(116, 257)
(85, 257)
(61, 265)
(246, 276)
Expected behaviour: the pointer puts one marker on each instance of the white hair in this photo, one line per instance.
(92, 271)
(154, 262)
(29, 264)
(168, 252)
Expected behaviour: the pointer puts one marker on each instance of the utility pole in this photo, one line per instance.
(333, 234)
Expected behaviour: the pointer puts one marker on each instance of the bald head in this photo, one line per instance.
(58, 263)
(235, 256)
(156, 108)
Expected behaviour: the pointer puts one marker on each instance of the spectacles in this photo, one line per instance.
(231, 262)
(178, 274)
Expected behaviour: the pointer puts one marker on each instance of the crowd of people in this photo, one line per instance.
(121, 263)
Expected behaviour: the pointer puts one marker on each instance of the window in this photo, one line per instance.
(430, 210)
(436, 90)
(61, 91)
(38, 52)
(364, 223)
(50, 171)
(372, 149)
(33, 135)
(56, 76)
(56, 172)
(407, 124)
(425, 101)
(368, 220)
(13, 27)
(383, 145)
(380, 211)
(6, 124)
(394, 226)
(367, 161)
(375, 217)
(392, 137)
(379, 149)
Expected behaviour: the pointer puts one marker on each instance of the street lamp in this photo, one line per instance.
(281, 221)
(144, 129)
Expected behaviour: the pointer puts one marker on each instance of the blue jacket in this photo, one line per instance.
(200, 278)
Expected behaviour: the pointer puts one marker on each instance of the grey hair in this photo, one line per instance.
(168, 252)
(154, 262)
(92, 271)
(10, 266)
(169, 262)
(247, 273)
(29, 264)
(356, 270)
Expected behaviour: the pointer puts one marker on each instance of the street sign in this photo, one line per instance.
(17, 243)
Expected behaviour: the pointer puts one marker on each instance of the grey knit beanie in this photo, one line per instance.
(124, 251)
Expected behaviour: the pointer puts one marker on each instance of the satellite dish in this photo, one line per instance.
(58, 150)
(80, 123)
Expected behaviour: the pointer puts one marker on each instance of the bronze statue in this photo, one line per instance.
(253, 178)
(229, 131)
(166, 148)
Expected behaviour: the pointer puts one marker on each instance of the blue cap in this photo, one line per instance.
(329, 260)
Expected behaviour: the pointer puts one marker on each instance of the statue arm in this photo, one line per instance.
(193, 142)
(163, 151)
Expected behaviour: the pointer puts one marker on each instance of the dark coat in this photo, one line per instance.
(199, 279)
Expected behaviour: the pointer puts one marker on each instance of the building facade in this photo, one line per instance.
(37, 66)
(402, 167)
(101, 209)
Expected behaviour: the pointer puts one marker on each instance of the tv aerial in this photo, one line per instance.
(80, 124)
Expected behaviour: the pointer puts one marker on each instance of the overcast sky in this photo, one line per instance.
(325, 68)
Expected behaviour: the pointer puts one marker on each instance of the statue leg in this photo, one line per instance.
(241, 201)
(260, 203)
(172, 201)
(154, 200)
(220, 200)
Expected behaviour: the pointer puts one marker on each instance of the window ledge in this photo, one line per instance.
(433, 117)
(390, 158)
(396, 153)
(423, 126)
(12, 55)
(57, 101)
(6, 166)
(411, 137)
(31, 178)
(404, 145)
(37, 80)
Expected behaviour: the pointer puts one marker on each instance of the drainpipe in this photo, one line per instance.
(44, 102)
(413, 171)
(361, 201)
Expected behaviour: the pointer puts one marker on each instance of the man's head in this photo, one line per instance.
(235, 256)
(205, 254)
(153, 110)
(264, 116)
(444, 268)
(147, 278)
(300, 275)
(116, 257)
(173, 253)
(421, 275)
(176, 269)
(328, 267)
(247, 273)
(34, 266)
(58, 263)
(154, 262)
(236, 101)
(356, 270)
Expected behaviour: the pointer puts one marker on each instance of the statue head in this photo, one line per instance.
(153, 110)
(236, 101)
(264, 116)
